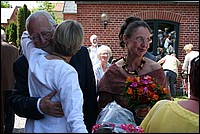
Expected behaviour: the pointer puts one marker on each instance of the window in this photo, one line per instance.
(161, 30)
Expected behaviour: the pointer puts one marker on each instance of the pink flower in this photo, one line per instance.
(134, 84)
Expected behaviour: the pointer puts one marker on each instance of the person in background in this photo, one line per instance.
(9, 54)
(170, 49)
(35, 107)
(170, 65)
(151, 56)
(160, 37)
(167, 42)
(190, 54)
(135, 35)
(93, 49)
(180, 116)
(103, 53)
(166, 31)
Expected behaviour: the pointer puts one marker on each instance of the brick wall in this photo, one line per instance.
(70, 16)
(187, 15)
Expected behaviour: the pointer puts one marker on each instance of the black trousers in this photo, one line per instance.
(9, 116)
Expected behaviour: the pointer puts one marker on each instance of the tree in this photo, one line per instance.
(2, 27)
(23, 13)
(12, 32)
(49, 7)
(4, 4)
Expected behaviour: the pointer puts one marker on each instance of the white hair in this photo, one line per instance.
(188, 47)
(36, 14)
(92, 37)
(103, 47)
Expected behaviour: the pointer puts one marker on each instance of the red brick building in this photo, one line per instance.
(179, 16)
(8, 15)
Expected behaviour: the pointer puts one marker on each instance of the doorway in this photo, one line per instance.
(162, 29)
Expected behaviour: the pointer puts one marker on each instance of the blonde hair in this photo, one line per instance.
(188, 47)
(68, 38)
(101, 48)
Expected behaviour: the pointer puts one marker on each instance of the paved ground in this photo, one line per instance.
(19, 124)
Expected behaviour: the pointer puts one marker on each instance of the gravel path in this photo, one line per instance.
(19, 124)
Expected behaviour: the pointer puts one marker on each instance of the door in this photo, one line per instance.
(162, 29)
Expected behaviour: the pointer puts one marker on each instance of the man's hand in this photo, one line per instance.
(49, 107)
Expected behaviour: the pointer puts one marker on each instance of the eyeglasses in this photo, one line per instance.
(45, 34)
(141, 39)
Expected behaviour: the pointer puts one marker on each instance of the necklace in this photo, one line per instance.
(134, 72)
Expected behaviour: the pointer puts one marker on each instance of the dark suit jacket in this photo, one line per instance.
(26, 106)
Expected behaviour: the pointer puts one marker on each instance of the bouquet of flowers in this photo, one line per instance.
(142, 91)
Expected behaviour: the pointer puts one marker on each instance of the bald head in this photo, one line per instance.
(39, 17)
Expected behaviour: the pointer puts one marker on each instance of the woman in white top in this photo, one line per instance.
(52, 71)
(103, 54)
(170, 65)
(190, 54)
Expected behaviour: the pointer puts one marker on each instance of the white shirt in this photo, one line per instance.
(45, 76)
(98, 71)
(186, 64)
(171, 63)
(166, 44)
(93, 55)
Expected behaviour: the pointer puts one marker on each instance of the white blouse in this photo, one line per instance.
(99, 71)
(46, 75)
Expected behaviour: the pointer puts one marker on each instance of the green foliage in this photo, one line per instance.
(12, 32)
(4, 4)
(7, 34)
(47, 6)
(58, 20)
(23, 13)
(26, 11)
(2, 27)
(20, 25)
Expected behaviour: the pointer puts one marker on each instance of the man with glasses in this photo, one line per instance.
(35, 108)
(43, 35)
